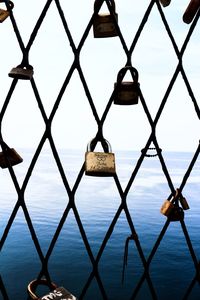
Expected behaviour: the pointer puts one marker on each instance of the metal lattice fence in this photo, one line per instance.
(151, 149)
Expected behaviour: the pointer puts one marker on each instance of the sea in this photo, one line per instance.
(79, 244)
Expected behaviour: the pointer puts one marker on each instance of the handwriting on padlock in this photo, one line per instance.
(57, 293)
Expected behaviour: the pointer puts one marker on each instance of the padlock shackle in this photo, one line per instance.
(35, 283)
(112, 2)
(123, 71)
(105, 144)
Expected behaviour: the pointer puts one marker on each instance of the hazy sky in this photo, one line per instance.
(126, 127)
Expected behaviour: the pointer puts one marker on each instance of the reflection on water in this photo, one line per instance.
(97, 201)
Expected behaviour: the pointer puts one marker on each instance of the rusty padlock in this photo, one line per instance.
(126, 91)
(56, 293)
(167, 208)
(21, 72)
(5, 13)
(165, 2)
(191, 11)
(104, 25)
(184, 203)
(100, 164)
(9, 157)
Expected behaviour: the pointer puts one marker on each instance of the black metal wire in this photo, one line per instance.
(123, 193)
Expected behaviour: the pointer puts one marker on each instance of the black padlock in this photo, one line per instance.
(126, 91)
(21, 72)
(177, 214)
(104, 25)
(56, 293)
(9, 156)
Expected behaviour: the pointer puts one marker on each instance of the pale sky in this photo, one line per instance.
(126, 127)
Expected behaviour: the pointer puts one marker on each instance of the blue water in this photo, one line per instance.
(97, 201)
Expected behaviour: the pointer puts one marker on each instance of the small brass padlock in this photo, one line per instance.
(104, 25)
(21, 72)
(184, 203)
(127, 91)
(165, 2)
(9, 157)
(5, 13)
(99, 163)
(56, 293)
(167, 208)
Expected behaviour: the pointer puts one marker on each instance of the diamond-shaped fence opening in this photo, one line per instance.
(84, 75)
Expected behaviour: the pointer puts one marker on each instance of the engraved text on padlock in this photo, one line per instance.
(99, 164)
(59, 294)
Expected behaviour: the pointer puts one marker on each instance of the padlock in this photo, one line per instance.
(21, 72)
(165, 2)
(177, 214)
(104, 25)
(191, 11)
(9, 157)
(167, 208)
(56, 293)
(99, 163)
(184, 203)
(127, 91)
(5, 13)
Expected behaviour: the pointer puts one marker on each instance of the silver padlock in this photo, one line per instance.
(9, 157)
(104, 25)
(100, 164)
(20, 72)
(126, 91)
(5, 13)
(56, 293)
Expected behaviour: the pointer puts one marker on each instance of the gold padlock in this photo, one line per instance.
(20, 72)
(167, 208)
(9, 157)
(126, 91)
(5, 13)
(100, 164)
(165, 2)
(184, 203)
(104, 25)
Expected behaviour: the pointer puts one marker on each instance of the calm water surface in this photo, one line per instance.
(97, 201)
